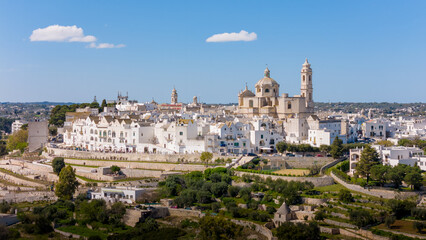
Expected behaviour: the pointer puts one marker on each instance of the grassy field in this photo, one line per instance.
(297, 172)
(402, 226)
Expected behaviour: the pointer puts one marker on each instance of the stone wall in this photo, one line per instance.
(128, 156)
(300, 162)
(328, 230)
(185, 213)
(19, 181)
(140, 165)
(258, 228)
(317, 181)
(388, 194)
(340, 224)
(314, 201)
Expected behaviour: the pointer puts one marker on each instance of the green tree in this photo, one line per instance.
(345, 196)
(389, 220)
(385, 143)
(397, 174)
(369, 158)
(94, 105)
(379, 173)
(206, 157)
(115, 169)
(400, 208)
(336, 149)
(67, 183)
(18, 140)
(103, 105)
(414, 178)
(116, 213)
(57, 164)
(216, 228)
(361, 217)
(298, 231)
(233, 191)
(325, 148)
(281, 147)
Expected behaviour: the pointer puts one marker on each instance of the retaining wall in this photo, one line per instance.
(340, 224)
(374, 192)
(317, 181)
(257, 227)
(128, 156)
(141, 165)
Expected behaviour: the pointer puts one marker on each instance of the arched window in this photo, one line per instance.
(267, 90)
(310, 78)
(303, 78)
(109, 132)
(104, 133)
(96, 131)
(113, 134)
(91, 131)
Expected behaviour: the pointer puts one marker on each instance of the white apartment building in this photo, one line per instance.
(375, 129)
(17, 125)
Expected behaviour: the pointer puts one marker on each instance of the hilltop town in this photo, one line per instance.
(272, 166)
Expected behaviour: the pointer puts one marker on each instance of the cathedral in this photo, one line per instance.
(267, 100)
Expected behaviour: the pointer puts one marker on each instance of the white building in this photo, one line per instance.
(390, 156)
(118, 194)
(375, 129)
(17, 125)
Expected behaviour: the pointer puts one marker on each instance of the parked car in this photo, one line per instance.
(309, 155)
(319, 155)
(251, 155)
(290, 155)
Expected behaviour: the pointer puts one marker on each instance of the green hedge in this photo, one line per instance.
(345, 177)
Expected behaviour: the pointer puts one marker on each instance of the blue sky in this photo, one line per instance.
(360, 51)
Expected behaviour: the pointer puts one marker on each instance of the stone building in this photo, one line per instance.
(267, 100)
(38, 133)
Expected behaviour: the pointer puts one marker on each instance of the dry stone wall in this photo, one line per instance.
(317, 181)
(257, 227)
(388, 194)
(139, 165)
(128, 156)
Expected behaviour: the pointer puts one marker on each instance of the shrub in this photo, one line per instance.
(345, 196)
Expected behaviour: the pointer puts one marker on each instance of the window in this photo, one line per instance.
(267, 90)
(303, 78)
(181, 133)
(310, 78)
(251, 103)
(289, 105)
(261, 136)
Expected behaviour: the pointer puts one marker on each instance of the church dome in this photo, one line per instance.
(267, 80)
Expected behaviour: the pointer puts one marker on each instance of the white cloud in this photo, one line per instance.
(105, 45)
(233, 37)
(57, 33)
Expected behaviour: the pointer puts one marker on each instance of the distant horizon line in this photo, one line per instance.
(68, 103)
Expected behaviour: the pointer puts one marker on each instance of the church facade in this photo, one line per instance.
(267, 100)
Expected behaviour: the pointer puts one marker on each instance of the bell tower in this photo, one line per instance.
(174, 99)
(306, 89)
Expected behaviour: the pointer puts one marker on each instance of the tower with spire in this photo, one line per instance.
(306, 89)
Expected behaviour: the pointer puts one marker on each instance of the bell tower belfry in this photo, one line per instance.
(306, 89)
